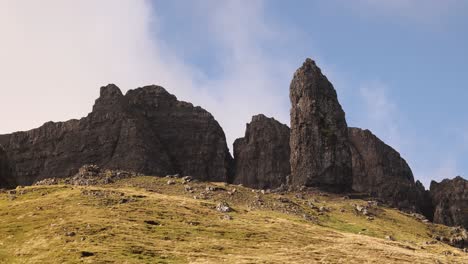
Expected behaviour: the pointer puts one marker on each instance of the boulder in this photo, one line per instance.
(147, 131)
(320, 153)
(261, 157)
(6, 177)
(450, 199)
(379, 170)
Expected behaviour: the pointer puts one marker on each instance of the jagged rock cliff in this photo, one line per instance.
(320, 153)
(6, 179)
(262, 156)
(379, 170)
(147, 130)
(450, 199)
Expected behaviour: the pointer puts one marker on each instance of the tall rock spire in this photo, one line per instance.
(320, 152)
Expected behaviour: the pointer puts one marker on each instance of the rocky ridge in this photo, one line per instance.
(262, 156)
(379, 170)
(450, 199)
(147, 131)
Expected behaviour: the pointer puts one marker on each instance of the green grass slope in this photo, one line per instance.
(146, 220)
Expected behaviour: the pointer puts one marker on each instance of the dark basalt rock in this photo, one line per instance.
(450, 199)
(262, 156)
(320, 153)
(6, 178)
(379, 170)
(147, 131)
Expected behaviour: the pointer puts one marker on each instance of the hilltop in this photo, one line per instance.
(144, 219)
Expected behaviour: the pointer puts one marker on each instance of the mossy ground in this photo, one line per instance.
(145, 220)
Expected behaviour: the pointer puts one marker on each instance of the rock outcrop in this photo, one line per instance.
(379, 170)
(147, 130)
(6, 177)
(320, 153)
(262, 156)
(450, 199)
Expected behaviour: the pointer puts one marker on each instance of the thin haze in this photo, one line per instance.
(399, 66)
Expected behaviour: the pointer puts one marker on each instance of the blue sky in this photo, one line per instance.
(399, 66)
(400, 69)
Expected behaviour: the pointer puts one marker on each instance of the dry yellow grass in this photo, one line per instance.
(144, 220)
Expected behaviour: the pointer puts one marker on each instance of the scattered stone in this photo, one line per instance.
(171, 182)
(309, 218)
(390, 238)
(323, 209)
(419, 217)
(226, 217)
(284, 200)
(283, 188)
(458, 237)
(90, 175)
(47, 182)
(85, 254)
(188, 188)
(232, 192)
(299, 196)
(364, 210)
(223, 207)
(152, 222)
(312, 206)
(70, 234)
(187, 179)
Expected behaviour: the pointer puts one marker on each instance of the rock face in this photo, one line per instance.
(147, 131)
(6, 177)
(379, 170)
(262, 156)
(450, 199)
(320, 153)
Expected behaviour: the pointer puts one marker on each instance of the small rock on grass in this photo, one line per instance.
(223, 207)
(171, 182)
(226, 217)
(86, 254)
(152, 222)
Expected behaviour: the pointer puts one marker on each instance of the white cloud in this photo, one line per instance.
(55, 55)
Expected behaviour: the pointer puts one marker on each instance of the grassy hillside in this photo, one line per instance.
(146, 220)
